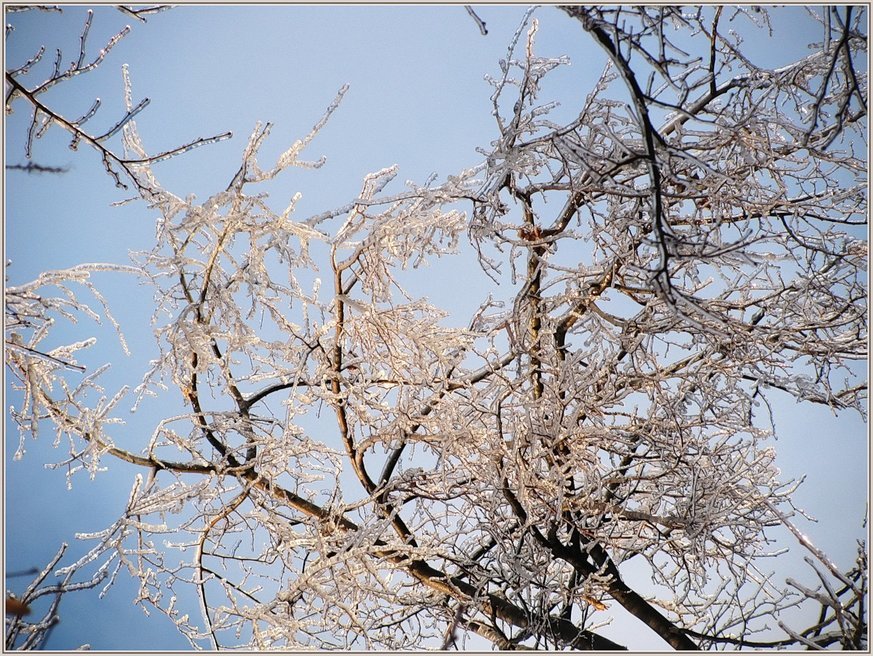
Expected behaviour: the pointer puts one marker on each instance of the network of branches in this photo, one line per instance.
(357, 468)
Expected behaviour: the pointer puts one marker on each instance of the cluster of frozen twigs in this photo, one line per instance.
(356, 468)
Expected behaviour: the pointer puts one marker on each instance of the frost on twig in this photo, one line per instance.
(31, 311)
(27, 629)
(44, 115)
(140, 13)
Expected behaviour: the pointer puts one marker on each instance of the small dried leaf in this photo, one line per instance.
(598, 605)
(16, 607)
(530, 233)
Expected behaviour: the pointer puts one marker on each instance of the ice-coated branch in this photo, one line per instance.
(44, 116)
(140, 13)
(31, 634)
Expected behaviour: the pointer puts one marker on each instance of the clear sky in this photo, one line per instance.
(417, 99)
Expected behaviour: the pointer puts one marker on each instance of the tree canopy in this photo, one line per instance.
(343, 464)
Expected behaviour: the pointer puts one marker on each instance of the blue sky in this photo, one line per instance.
(417, 99)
